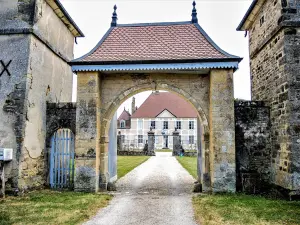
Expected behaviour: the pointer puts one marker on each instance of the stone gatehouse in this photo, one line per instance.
(245, 146)
(274, 37)
(178, 57)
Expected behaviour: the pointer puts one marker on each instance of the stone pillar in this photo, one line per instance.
(119, 141)
(176, 143)
(151, 141)
(222, 131)
(87, 132)
(198, 184)
(206, 186)
(104, 175)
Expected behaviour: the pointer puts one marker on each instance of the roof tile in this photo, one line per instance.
(158, 102)
(154, 42)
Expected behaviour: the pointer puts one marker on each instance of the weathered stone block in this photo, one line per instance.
(85, 179)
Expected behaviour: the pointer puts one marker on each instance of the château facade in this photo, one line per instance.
(163, 112)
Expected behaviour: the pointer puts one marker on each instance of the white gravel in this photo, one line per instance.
(157, 192)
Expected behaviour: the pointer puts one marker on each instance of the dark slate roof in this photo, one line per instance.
(157, 102)
(155, 42)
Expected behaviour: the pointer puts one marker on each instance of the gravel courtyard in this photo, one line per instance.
(157, 192)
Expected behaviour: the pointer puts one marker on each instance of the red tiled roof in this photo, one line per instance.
(125, 115)
(170, 41)
(158, 102)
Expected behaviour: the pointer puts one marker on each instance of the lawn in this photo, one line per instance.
(230, 209)
(239, 209)
(189, 163)
(51, 207)
(128, 163)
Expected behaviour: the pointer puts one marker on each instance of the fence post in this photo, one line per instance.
(151, 141)
(176, 143)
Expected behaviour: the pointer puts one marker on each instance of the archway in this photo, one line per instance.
(100, 94)
(201, 128)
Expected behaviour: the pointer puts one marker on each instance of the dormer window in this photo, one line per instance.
(122, 124)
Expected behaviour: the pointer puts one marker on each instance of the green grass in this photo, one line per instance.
(163, 150)
(51, 207)
(128, 163)
(189, 163)
(230, 209)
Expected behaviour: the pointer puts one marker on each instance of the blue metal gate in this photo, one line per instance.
(62, 159)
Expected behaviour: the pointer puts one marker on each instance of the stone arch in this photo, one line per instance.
(211, 93)
(204, 124)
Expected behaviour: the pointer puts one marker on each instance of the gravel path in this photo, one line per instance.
(158, 192)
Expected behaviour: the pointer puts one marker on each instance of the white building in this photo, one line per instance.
(163, 111)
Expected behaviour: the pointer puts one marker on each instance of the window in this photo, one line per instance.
(191, 139)
(140, 139)
(122, 124)
(140, 124)
(262, 20)
(156, 140)
(152, 124)
(178, 125)
(191, 125)
(166, 125)
(122, 138)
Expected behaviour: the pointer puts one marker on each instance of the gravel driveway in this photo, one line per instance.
(158, 192)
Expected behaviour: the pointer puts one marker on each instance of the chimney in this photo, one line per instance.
(133, 106)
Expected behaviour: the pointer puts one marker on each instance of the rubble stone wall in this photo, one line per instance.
(253, 147)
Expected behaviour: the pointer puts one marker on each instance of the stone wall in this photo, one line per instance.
(16, 14)
(265, 25)
(288, 162)
(12, 100)
(253, 147)
(60, 115)
(274, 54)
(38, 73)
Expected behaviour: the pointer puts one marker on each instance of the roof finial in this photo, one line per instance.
(194, 13)
(114, 17)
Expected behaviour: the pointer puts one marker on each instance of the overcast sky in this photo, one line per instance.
(219, 18)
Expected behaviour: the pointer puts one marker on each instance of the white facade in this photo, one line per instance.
(163, 126)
